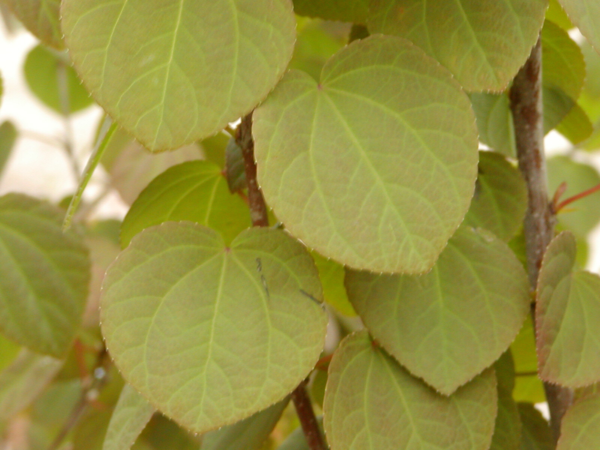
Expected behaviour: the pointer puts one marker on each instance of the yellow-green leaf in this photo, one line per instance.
(355, 11)
(41, 17)
(495, 122)
(581, 425)
(372, 403)
(584, 14)
(175, 72)
(8, 137)
(382, 145)
(211, 334)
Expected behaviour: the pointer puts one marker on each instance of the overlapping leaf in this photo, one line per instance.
(450, 324)
(382, 145)
(528, 387)
(44, 275)
(581, 425)
(195, 191)
(172, 73)
(507, 432)
(41, 17)
(567, 314)
(211, 334)
(584, 14)
(500, 198)
(129, 418)
(495, 122)
(536, 434)
(355, 11)
(372, 403)
(483, 43)
(332, 279)
(576, 126)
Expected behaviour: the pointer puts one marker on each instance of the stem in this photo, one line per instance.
(579, 196)
(260, 218)
(527, 109)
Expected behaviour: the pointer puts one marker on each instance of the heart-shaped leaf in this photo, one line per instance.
(484, 43)
(211, 334)
(41, 17)
(382, 145)
(372, 403)
(175, 72)
(567, 317)
(581, 425)
(195, 191)
(44, 275)
(450, 324)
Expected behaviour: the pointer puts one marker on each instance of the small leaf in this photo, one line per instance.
(567, 313)
(249, 434)
(584, 14)
(235, 167)
(8, 137)
(581, 425)
(355, 11)
(483, 43)
(41, 17)
(382, 146)
(576, 125)
(211, 334)
(495, 122)
(450, 324)
(536, 434)
(583, 216)
(23, 381)
(332, 279)
(557, 15)
(372, 403)
(195, 191)
(128, 420)
(44, 275)
(528, 387)
(500, 199)
(172, 73)
(41, 67)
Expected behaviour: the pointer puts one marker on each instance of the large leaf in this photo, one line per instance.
(211, 334)
(195, 191)
(41, 66)
(372, 403)
(584, 14)
(44, 275)
(500, 198)
(382, 145)
(581, 425)
(483, 43)
(129, 418)
(567, 314)
(41, 17)
(23, 381)
(450, 324)
(171, 73)
(249, 434)
(8, 136)
(536, 434)
(355, 11)
(583, 216)
(495, 122)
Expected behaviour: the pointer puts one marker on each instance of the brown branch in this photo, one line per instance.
(260, 218)
(527, 109)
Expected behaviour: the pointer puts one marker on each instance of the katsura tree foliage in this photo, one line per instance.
(340, 205)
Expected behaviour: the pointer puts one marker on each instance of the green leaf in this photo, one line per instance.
(332, 279)
(583, 216)
(557, 106)
(174, 73)
(576, 125)
(567, 314)
(297, 440)
(383, 144)
(483, 43)
(536, 434)
(249, 434)
(507, 433)
(164, 434)
(235, 167)
(211, 334)
(591, 88)
(355, 11)
(8, 137)
(128, 420)
(528, 388)
(495, 122)
(450, 324)
(23, 381)
(41, 66)
(581, 425)
(195, 191)
(372, 403)
(8, 351)
(505, 371)
(44, 275)
(500, 199)
(557, 15)
(584, 14)
(41, 17)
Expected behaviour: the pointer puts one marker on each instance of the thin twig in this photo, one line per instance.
(260, 218)
(579, 196)
(527, 108)
(48, 140)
